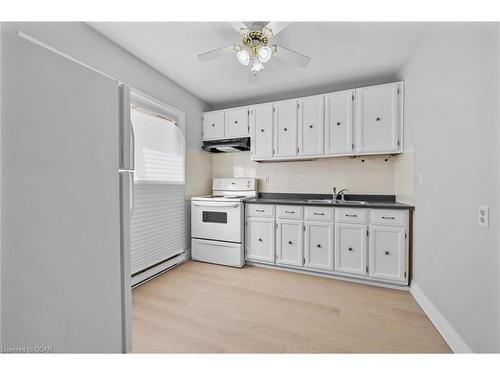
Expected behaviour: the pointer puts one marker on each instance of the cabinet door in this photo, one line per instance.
(260, 240)
(289, 242)
(350, 248)
(319, 246)
(213, 125)
(285, 128)
(261, 131)
(311, 126)
(339, 124)
(236, 121)
(387, 253)
(378, 118)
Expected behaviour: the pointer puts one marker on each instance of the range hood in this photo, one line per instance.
(227, 145)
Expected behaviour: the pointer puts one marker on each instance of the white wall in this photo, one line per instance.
(88, 46)
(451, 124)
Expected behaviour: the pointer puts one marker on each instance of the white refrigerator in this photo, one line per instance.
(66, 191)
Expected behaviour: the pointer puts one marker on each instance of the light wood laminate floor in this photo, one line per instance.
(205, 308)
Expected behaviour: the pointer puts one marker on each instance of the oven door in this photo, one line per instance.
(221, 221)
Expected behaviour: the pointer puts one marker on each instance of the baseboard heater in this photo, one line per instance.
(157, 269)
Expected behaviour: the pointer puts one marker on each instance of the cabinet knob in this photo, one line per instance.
(338, 123)
(262, 130)
(318, 245)
(260, 239)
(310, 126)
(213, 124)
(285, 129)
(387, 253)
(235, 122)
(289, 242)
(378, 119)
(350, 249)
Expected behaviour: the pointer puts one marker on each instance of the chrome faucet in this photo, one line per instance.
(341, 194)
(334, 197)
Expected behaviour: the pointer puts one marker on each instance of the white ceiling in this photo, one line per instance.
(343, 54)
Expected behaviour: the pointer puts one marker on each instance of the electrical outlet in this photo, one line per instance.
(483, 216)
(267, 180)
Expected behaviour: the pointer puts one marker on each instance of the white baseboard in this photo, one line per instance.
(452, 338)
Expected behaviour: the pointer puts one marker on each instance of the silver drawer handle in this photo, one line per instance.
(349, 215)
(259, 210)
(320, 213)
(289, 212)
(388, 217)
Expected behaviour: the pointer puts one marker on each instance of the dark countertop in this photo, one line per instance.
(351, 200)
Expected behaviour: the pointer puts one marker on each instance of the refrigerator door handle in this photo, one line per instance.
(132, 147)
(132, 192)
(126, 201)
(126, 138)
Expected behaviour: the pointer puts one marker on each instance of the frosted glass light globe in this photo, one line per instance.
(265, 54)
(243, 57)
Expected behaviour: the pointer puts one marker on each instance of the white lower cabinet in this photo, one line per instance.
(319, 245)
(387, 253)
(369, 244)
(260, 239)
(350, 248)
(289, 242)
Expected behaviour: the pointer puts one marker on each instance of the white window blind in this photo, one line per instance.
(158, 225)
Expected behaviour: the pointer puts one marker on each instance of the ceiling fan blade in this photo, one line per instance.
(213, 54)
(277, 27)
(291, 56)
(240, 27)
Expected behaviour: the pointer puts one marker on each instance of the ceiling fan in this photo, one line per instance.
(256, 47)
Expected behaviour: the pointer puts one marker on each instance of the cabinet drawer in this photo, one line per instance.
(289, 212)
(388, 217)
(319, 213)
(351, 215)
(262, 210)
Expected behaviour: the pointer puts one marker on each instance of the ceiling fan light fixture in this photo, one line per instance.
(243, 57)
(265, 54)
(257, 66)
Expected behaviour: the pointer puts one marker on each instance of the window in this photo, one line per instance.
(158, 225)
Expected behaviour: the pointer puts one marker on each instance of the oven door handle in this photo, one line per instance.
(208, 204)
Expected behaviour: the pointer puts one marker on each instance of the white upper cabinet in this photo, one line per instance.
(339, 123)
(213, 125)
(236, 123)
(364, 121)
(285, 128)
(379, 118)
(311, 126)
(261, 131)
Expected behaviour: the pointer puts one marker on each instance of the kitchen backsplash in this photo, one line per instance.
(373, 176)
(198, 172)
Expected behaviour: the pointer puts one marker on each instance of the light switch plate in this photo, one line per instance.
(420, 178)
(483, 216)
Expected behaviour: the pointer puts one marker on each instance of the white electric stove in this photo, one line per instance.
(217, 222)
